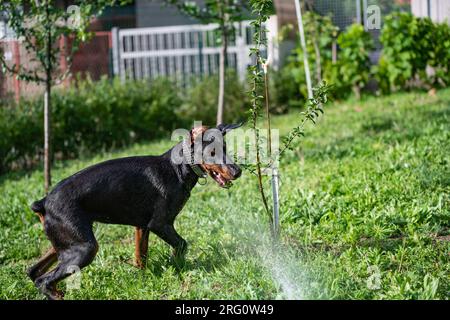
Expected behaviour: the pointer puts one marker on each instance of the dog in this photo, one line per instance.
(146, 192)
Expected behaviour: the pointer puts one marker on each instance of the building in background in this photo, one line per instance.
(343, 12)
(154, 13)
(437, 10)
(5, 31)
(96, 59)
(93, 59)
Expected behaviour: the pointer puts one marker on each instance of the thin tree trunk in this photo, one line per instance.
(318, 61)
(221, 98)
(276, 207)
(258, 156)
(47, 107)
(222, 66)
(47, 137)
(315, 43)
(334, 52)
(357, 92)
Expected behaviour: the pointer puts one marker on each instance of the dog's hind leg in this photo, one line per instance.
(141, 246)
(76, 246)
(71, 260)
(43, 264)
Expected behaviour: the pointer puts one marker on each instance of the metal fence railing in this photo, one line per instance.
(184, 51)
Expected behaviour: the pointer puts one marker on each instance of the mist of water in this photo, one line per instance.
(280, 261)
(284, 268)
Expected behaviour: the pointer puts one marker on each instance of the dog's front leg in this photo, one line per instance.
(141, 246)
(168, 233)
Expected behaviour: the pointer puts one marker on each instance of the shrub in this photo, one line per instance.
(91, 116)
(110, 113)
(410, 44)
(321, 32)
(285, 89)
(21, 137)
(289, 83)
(352, 70)
(399, 61)
(201, 100)
(439, 54)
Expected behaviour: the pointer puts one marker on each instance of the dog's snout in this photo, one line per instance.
(236, 172)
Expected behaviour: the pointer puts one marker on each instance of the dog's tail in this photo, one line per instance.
(39, 208)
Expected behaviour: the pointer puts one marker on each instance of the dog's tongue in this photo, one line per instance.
(221, 181)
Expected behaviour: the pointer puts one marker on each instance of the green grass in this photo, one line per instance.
(366, 191)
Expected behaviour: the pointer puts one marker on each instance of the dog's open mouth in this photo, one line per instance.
(220, 179)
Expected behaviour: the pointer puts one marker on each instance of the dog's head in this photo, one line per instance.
(210, 142)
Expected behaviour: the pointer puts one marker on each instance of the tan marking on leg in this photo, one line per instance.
(141, 247)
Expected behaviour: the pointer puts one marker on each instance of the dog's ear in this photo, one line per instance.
(197, 131)
(224, 128)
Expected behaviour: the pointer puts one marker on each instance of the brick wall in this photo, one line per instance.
(93, 59)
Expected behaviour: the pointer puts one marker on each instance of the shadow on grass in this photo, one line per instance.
(377, 125)
(210, 260)
(389, 128)
(399, 121)
(338, 149)
(16, 175)
(432, 178)
(385, 245)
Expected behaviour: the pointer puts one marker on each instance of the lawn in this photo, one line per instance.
(365, 214)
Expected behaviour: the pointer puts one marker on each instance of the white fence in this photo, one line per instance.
(183, 52)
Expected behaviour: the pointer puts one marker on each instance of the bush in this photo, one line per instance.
(410, 44)
(21, 137)
(285, 90)
(320, 34)
(289, 83)
(201, 100)
(439, 57)
(352, 70)
(416, 53)
(91, 116)
(106, 114)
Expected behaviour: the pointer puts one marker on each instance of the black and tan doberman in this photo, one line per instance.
(147, 192)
